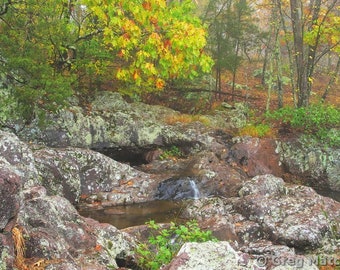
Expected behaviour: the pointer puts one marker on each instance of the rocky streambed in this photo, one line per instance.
(255, 194)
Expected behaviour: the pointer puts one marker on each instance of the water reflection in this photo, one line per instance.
(137, 214)
(159, 210)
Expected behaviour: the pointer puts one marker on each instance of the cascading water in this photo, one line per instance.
(170, 200)
(195, 189)
(178, 188)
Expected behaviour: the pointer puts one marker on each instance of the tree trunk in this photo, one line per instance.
(334, 75)
(237, 49)
(264, 66)
(292, 68)
(297, 23)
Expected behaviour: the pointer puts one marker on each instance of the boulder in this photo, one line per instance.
(221, 255)
(112, 124)
(55, 233)
(206, 172)
(10, 200)
(210, 255)
(314, 165)
(10, 184)
(268, 209)
(217, 215)
(263, 185)
(74, 172)
(215, 176)
(292, 215)
(256, 156)
(17, 155)
(7, 253)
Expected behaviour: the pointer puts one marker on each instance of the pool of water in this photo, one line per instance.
(161, 211)
(137, 214)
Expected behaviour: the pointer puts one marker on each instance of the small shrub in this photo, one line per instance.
(317, 120)
(173, 152)
(163, 244)
(259, 130)
(187, 119)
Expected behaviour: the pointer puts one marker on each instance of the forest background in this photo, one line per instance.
(189, 55)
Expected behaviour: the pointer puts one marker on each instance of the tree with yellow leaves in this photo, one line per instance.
(49, 52)
(154, 41)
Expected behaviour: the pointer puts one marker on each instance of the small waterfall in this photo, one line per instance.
(178, 189)
(195, 189)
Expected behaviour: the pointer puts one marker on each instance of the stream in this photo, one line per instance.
(161, 211)
(173, 195)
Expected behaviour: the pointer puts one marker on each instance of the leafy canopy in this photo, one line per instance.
(154, 41)
(50, 51)
(31, 38)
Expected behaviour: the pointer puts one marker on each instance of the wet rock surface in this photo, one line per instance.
(222, 255)
(210, 255)
(18, 157)
(56, 232)
(242, 193)
(289, 215)
(318, 166)
(74, 172)
(113, 124)
(256, 156)
(10, 202)
(178, 189)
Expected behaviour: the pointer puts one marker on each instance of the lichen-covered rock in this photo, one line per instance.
(292, 215)
(10, 202)
(218, 216)
(221, 255)
(10, 184)
(316, 166)
(210, 175)
(216, 177)
(279, 256)
(212, 256)
(17, 155)
(263, 185)
(205, 208)
(6, 252)
(269, 209)
(71, 172)
(256, 156)
(112, 124)
(230, 117)
(55, 231)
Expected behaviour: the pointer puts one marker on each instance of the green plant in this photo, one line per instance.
(333, 226)
(317, 120)
(4, 256)
(163, 244)
(146, 38)
(110, 249)
(187, 118)
(256, 130)
(173, 152)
